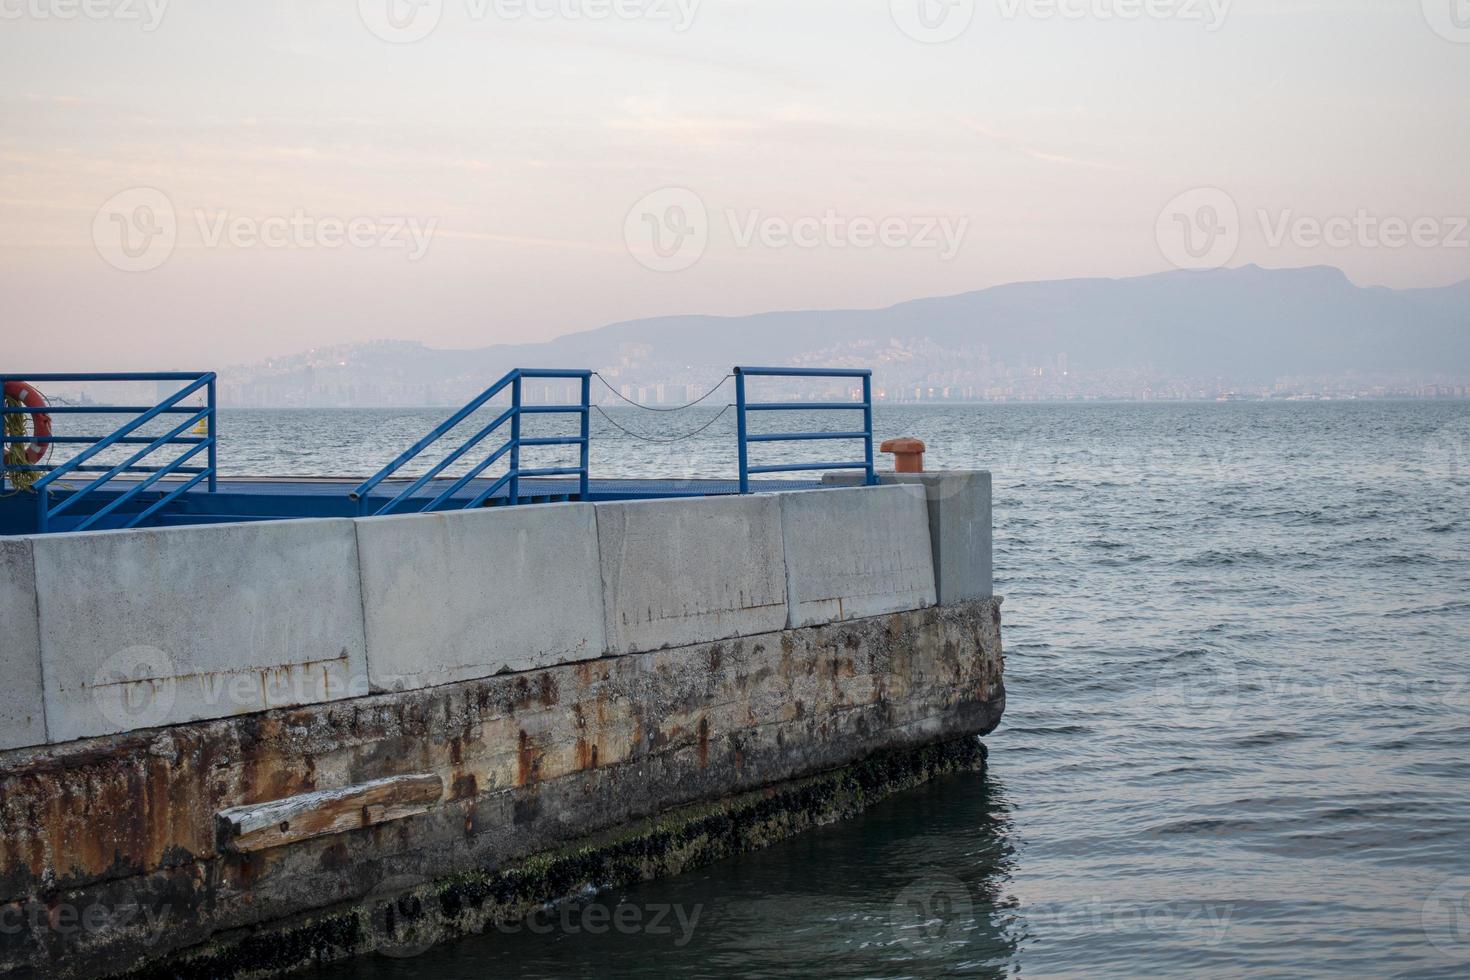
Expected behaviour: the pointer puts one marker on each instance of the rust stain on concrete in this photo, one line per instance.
(130, 818)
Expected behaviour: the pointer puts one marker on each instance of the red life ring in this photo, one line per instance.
(28, 396)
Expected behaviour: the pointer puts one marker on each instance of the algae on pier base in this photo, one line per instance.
(471, 902)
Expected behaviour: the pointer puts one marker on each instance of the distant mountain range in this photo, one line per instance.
(1240, 327)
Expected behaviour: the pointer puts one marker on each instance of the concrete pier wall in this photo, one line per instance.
(456, 596)
(22, 712)
(140, 629)
(230, 744)
(147, 628)
(142, 830)
(855, 553)
(960, 527)
(688, 571)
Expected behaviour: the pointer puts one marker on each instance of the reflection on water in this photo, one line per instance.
(919, 881)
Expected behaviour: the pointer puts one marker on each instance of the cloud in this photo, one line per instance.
(1035, 153)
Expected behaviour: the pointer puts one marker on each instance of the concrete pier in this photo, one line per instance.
(233, 746)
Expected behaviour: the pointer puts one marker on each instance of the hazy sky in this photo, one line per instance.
(198, 183)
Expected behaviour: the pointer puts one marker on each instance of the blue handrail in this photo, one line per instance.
(125, 436)
(742, 406)
(512, 447)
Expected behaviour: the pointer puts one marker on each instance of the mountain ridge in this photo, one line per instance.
(1247, 325)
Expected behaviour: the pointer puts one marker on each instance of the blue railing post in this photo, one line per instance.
(740, 430)
(583, 487)
(872, 475)
(125, 435)
(745, 438)
(515, 442)
(213, 434)
(511, 481)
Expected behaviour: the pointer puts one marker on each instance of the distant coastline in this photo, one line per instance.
(1013, 403)
(1245, 333)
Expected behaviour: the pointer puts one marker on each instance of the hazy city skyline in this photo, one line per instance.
(197, 186)
(1248, 333)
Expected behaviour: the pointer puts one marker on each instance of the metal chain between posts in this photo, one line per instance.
(662, 442)
(651, 408)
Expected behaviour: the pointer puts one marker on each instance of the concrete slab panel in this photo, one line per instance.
(961, 524)
(22, 715)
(162, 626)
(961, 530)
(459, 596)
(693, 570)
(856, 552)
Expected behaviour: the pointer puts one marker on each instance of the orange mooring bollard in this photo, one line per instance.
(908, 454)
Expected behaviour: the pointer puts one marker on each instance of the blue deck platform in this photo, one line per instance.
(283, 498)
(104, 484)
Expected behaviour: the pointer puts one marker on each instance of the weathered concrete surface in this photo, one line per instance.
(22, 717)
(125, 826)
(452, 597)
(960, 528)
(856, 553)
(157, 627)
(408, 917)
(690, 570)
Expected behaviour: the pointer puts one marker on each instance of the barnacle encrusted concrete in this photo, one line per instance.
(113, 856)
(407, 922)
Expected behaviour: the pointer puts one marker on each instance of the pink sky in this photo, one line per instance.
(475, 185)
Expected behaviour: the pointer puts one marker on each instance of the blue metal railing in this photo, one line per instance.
(742, 406)
(125, 435)
(511, 448)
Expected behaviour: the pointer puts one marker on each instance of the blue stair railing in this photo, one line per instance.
(743, 405)
(75, 503)
(512, 448)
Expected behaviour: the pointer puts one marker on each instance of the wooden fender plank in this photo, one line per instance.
(332, 811)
